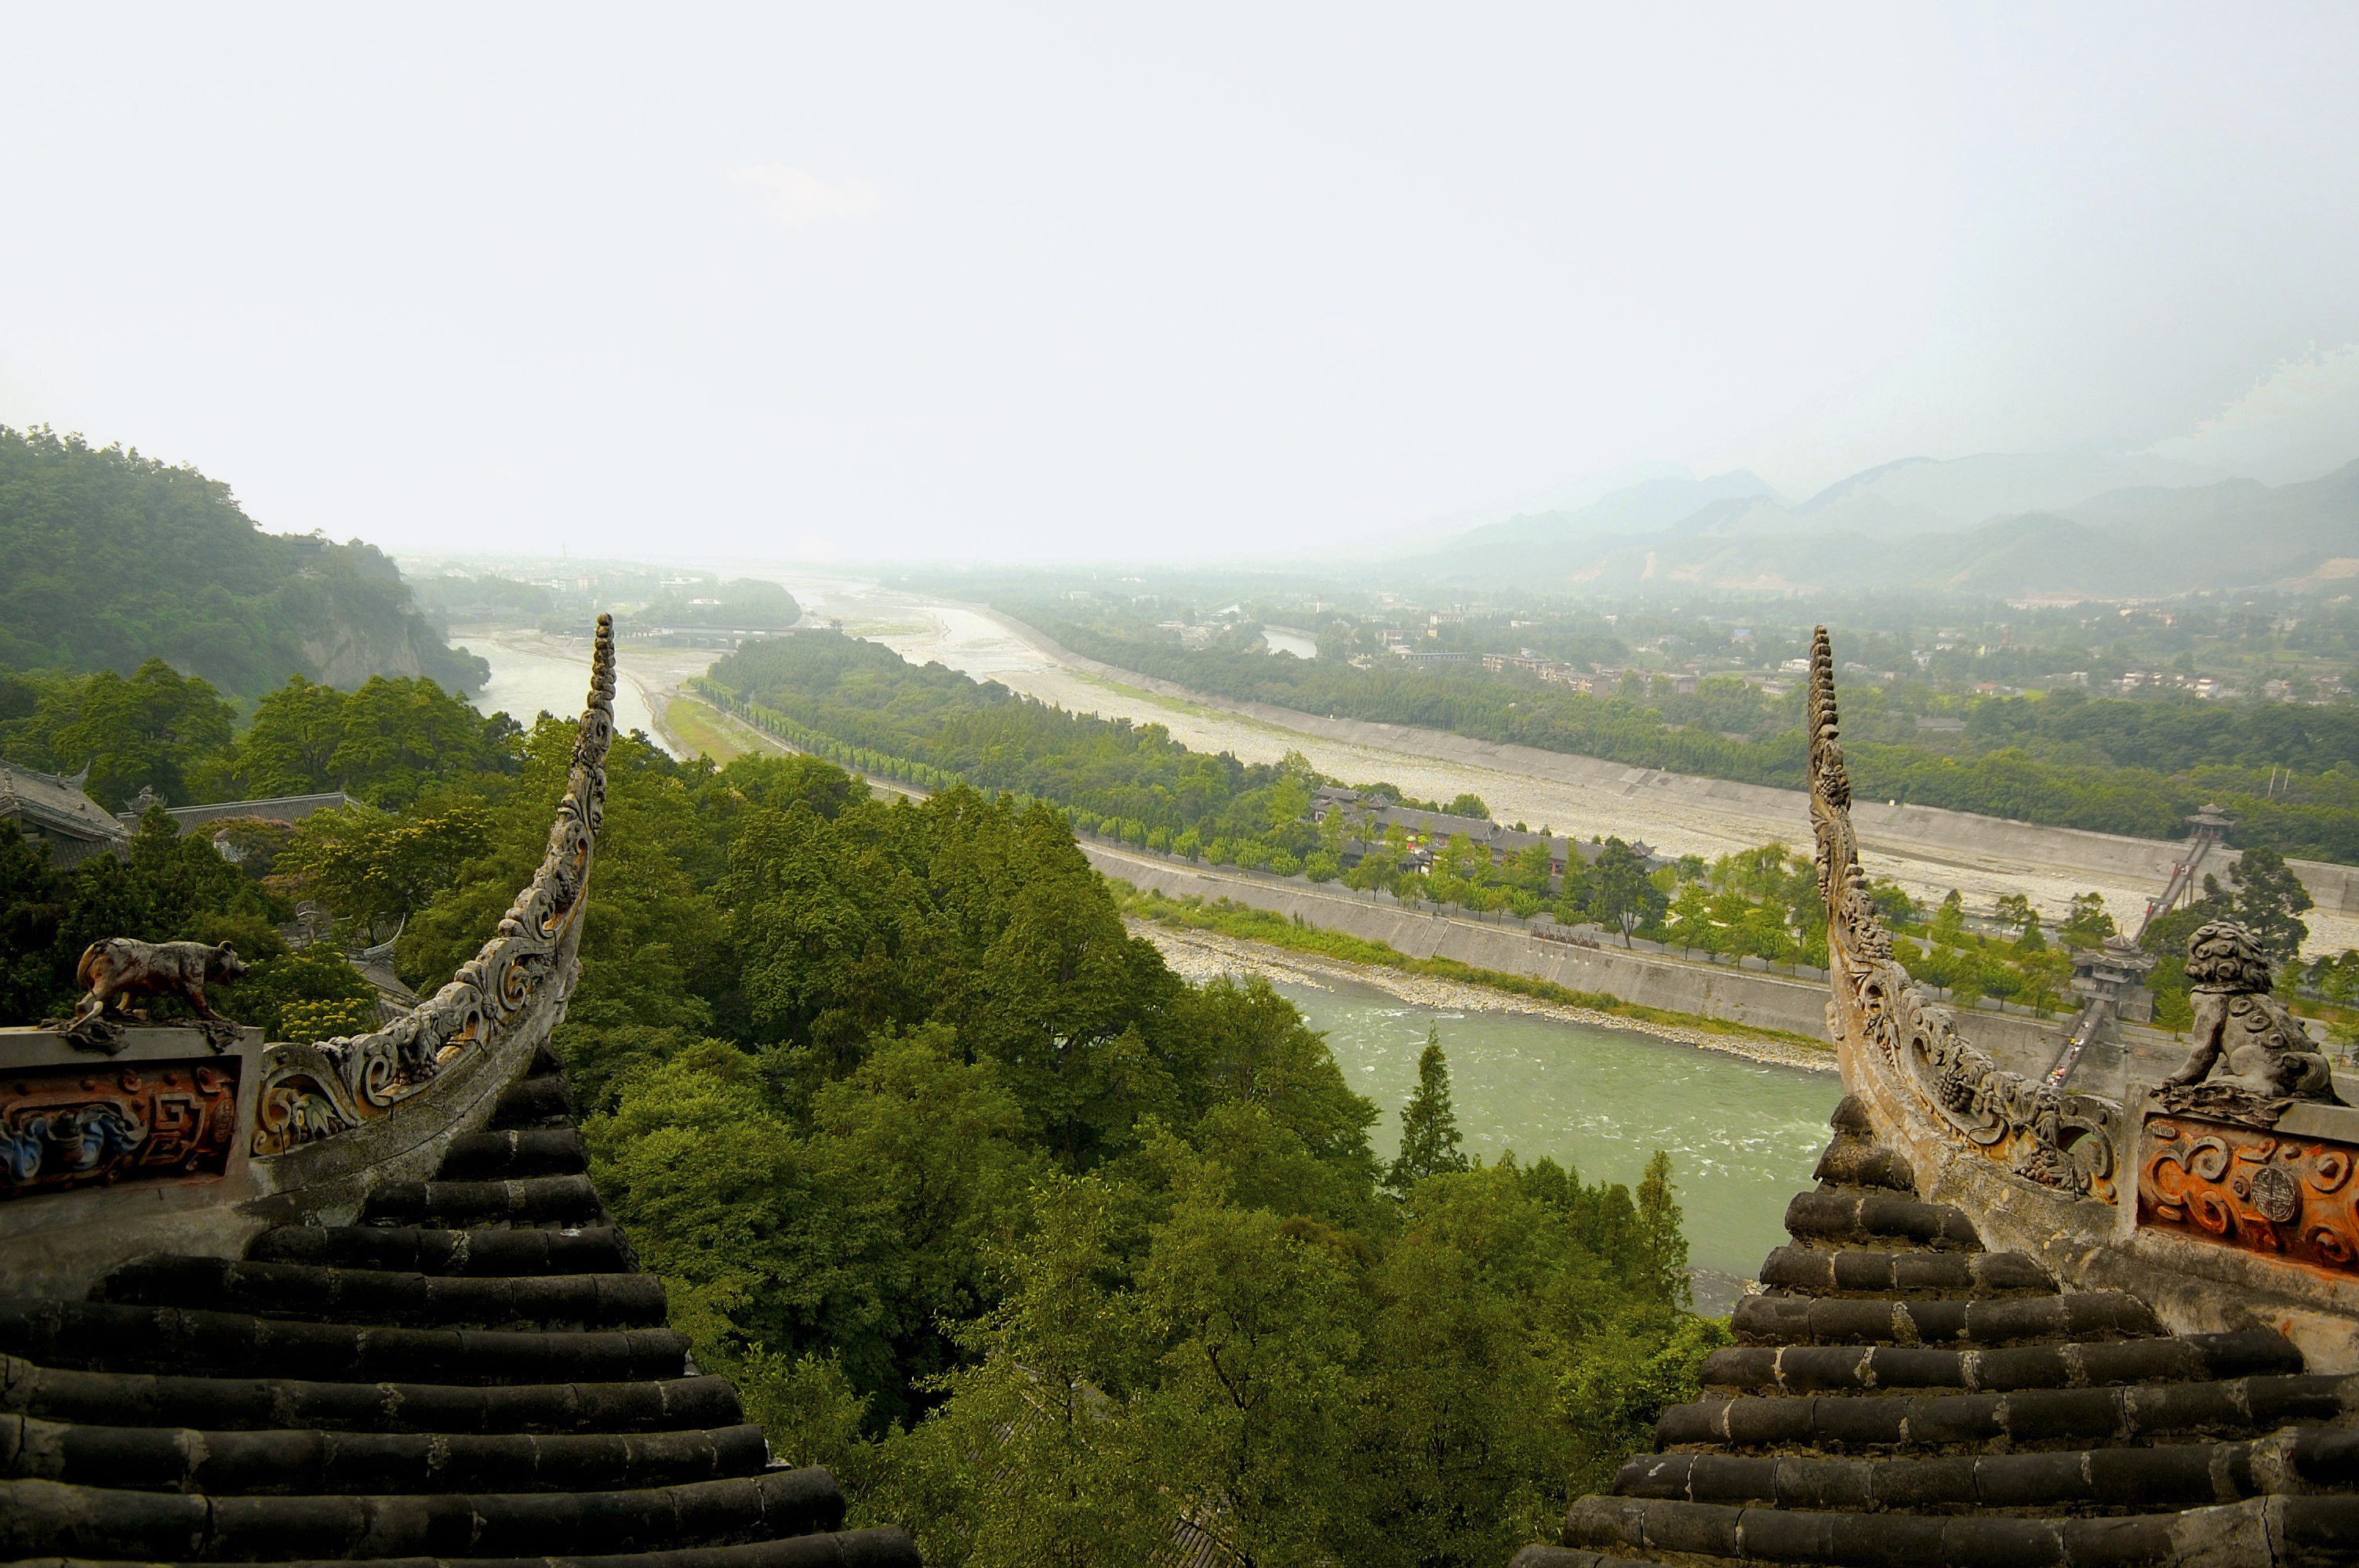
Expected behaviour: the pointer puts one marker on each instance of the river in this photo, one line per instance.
(524, 685)
(1742, 1136)
(1293, 642)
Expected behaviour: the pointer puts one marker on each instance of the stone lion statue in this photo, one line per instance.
(2239, 1025)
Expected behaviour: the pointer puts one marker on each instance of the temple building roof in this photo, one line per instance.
(356, 1299)
(2019, 1323)
(49, 809)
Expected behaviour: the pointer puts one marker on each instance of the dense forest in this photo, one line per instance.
(2063, 759)
(931, 1153)
(115, 559)
(933, 727)
(176, 735)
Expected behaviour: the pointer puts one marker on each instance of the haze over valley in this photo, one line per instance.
(1235, 786)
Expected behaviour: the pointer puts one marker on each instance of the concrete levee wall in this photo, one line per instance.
(1648, 979)
(1740, 996)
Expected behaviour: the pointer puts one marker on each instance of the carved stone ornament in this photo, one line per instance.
(2251, 1062)
(2060, 1140)
(2253, 1190)
(315, 1091)
(92, 1124)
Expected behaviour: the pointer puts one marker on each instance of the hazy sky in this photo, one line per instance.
(861, 281)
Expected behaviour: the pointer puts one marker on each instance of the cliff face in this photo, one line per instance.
(115, 559)
(352, 617)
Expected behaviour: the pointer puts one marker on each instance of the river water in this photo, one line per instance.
(1742, 1136)
(1289, 642)
(526, 685)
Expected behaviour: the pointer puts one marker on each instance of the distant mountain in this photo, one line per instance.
(114, 558)
(2060, 531)
(1962, 491)
(1558, 539)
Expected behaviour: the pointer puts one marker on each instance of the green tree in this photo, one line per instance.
(2088, 925)
(2268, 900)
(1664, 1243)
(1254, 1406)
(115, 559)
(375, 870)
(32, 906)
(1430, 1135)
(385, 743)
(1623, 894)
(155, 730)
(1466, 1306)
(1037, 1456)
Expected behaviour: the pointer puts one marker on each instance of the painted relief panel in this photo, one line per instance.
(81, 1125)
(2260, 1191)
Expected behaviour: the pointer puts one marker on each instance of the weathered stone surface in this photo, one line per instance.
(1868, 1219)
(296, 1461)
(529, 1200)
(132, 1399)
(102, 1336)
(1792, 1320)
(515, 1152)
(597, 1250)
(307, 1291)
(1997, 1366)
(1887, 1274)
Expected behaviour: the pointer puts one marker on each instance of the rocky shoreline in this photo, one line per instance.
(1200, 956)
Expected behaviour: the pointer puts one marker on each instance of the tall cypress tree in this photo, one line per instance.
(1663, 1244)
(1430, 1135)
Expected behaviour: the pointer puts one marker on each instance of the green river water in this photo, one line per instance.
(1742, 1136)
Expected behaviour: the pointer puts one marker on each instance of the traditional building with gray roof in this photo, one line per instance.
(49, 809)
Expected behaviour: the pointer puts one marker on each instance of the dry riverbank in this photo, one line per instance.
(1198, 956)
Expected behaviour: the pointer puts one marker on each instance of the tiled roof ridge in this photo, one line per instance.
(1899, 1394)
(455, 1378)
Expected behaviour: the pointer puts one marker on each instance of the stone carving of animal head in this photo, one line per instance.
(226, 965)
(2223, 954)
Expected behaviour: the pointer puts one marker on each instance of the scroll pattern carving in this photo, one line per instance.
(2252, 1189)
(315, 1091)
(75, 1126)
(2067, 1142)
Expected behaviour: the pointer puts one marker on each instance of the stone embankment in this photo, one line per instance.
(1200, 955)
(1641, 974)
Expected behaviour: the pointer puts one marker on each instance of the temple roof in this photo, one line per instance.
(1900, 1394)
(476, 1369)
(57, 804)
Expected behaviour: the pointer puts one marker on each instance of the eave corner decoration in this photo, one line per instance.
(2064, 1141)
(519, 977)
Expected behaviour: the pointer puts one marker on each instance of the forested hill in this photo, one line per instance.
(114, 558)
